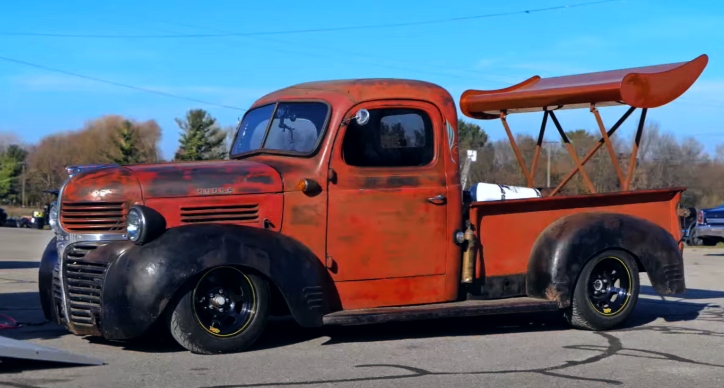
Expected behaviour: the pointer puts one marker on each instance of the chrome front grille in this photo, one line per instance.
(83, 284)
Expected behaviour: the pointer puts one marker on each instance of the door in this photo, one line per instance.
(387, 214)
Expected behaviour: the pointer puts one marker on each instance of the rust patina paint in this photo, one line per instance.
(194, 179)
(640, 87)
(382, 241)
(169, 187)
(109, 185)
(381, 225)
(114, 184)
(508, 230)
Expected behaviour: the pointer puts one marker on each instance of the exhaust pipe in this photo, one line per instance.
(468, 270)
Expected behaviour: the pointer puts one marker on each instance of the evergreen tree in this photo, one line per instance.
(201, 138)
(11, 160)
(127, 145)
(471, 135)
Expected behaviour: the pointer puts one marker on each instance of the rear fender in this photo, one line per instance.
(142, 280)
(565, 247)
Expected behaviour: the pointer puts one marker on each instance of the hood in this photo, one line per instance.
(206, 178)
(111, 184)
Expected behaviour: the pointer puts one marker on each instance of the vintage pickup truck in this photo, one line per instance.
(341, 204)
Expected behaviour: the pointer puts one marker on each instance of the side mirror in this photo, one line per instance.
(362, 116)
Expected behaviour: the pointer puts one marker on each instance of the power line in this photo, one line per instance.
(138, 88)
(226, 33)
(158, 92)
(374, 60)
(309, 30)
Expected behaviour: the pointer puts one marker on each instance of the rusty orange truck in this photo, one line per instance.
(341, 204)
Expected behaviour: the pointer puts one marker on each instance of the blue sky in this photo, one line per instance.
(484, 53)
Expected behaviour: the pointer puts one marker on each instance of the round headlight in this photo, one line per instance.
(134, 224)
(143, 224)
(53, 217)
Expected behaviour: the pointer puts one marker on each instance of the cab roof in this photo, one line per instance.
(353, 91)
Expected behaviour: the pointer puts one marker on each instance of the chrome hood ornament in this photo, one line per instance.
(77, 169)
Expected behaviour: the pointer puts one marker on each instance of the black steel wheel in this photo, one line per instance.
(224, 301)
(223, 311)
(606, 291)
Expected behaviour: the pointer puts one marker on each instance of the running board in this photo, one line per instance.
(465, 308)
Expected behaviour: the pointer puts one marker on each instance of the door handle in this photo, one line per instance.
(437, 200)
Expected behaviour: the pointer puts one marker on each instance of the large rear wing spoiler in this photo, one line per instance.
(638, 87)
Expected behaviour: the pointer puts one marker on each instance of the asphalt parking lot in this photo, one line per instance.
(670, 342)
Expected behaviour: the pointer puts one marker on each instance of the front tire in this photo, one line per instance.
(606, 292)
(224, 311)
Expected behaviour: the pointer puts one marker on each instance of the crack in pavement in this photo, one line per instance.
(677, 330)
(614, 347)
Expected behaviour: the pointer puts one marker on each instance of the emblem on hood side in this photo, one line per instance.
(215, 190)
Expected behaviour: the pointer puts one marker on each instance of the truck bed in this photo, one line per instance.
(508, 229)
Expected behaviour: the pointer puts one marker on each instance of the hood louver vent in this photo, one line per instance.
(247, 213)
(93, 217)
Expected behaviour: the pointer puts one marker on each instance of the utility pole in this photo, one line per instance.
(548, 168)
(547, 144)
(472, 156)
(23, 164)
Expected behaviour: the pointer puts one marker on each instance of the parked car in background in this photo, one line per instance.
(709, 227)
(37, 220)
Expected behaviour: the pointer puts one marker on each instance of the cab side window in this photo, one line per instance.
(393, 137)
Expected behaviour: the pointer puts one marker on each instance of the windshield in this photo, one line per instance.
(296, 128)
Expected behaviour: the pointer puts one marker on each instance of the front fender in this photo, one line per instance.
(45, 280)
(565, 246)
(141, 280)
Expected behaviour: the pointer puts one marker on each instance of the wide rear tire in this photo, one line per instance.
(223, 311)
(606, 292)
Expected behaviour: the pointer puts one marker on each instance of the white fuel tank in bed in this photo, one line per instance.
(480, 192)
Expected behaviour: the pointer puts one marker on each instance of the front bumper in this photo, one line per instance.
(709, 231)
